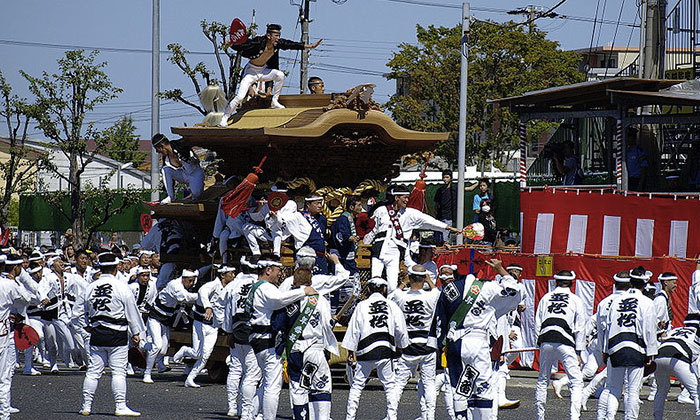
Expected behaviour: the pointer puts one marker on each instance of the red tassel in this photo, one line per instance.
(235, 201)
(416, 199)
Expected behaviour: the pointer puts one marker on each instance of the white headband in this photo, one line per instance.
(621, 279)
(563, 277)
(379, 281)
(636, 277)
(268, 263)
(667, 277)
(142, 270)
(446, 276)
(34, 270)
(313, 198)
(416, 272)
(14, 262)
(53, 260)
(453, 267)
(190, 273)
(244, 261)
(36, 258)
(514, 267)
(226, 269)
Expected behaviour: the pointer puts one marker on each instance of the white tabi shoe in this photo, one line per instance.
(179, 355)
(126, 412)
(191, 384)
(14, 410)
(557, 385)
(147, 379)
(684, 397)
(224, 121)
(276, 105)
(32, 372)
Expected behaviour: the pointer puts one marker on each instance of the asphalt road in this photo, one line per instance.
(59, 397)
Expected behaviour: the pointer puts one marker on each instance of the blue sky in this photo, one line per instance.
(359, 35)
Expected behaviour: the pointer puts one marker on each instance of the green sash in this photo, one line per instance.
(251, 294)
(464, 307)
(301, 322)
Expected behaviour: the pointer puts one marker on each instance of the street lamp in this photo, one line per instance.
(119, 173)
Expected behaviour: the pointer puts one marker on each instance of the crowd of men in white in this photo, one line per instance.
(106, 314)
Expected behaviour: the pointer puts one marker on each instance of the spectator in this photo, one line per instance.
(486, 218)
(637, 162)
(483, 194)
(316, 86)
(446, 199)
(568, 165)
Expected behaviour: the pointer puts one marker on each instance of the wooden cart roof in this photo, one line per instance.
(312, 137)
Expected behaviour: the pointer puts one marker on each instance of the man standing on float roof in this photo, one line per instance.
(263, 52)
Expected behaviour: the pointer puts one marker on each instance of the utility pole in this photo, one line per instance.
(155, 101)
(532, 13)
(652, 50)
(304, 17)
(462, 140)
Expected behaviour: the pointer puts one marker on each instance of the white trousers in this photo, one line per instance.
(665, 368)
(29, 353)
(310, 383)
(203, 341)
(233, 381)
(406, 367)
(81, 338)
(271, 365)
(474, 391)
(251, 376)
(252, 75)
(158, 340)
(254, 233)
(550, 353)
(388, 259)
(7, 369)
(190, 174)
(61, 338)
(442, 384)
(613, 389)
(116, 358)
(385, 373)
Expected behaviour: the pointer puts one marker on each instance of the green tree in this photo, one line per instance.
(19, 171)
(504, 60)
(228, 73)
(61, 101)
(123, 143)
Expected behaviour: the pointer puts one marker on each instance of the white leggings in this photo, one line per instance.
(251, 75)
(665, 368)
(159, 338)
(203, 341)
(100, 356)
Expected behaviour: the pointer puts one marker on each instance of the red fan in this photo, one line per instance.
(417, 198)
(4, 236)
(137, 358)
(238, 32)
(235, 201)
(364, 224)
(25, 336)
(146, 222)
(276, 200)
(497, 349)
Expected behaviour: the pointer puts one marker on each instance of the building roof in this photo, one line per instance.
(331, 138)
(606, 94)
